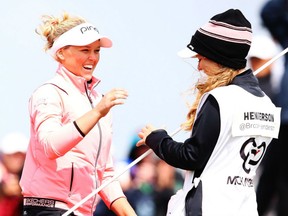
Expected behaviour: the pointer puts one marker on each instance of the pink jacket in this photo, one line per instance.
(62, 164)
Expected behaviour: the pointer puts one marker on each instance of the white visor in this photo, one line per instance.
(80, 35)
(186, 53)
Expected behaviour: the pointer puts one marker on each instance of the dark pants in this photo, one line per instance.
(43, 211)
(273, 182)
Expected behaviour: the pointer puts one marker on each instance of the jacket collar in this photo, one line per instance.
(78, 81)
(249, 82)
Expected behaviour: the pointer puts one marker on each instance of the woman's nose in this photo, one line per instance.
(94, 56)
(199, 66)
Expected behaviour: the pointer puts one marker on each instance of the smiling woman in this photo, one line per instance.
(70, 124)
(80, 60)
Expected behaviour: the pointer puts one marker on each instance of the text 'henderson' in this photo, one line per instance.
(258, 116)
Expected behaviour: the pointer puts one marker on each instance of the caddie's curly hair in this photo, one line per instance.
(222, 78)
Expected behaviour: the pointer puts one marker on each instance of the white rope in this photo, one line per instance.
(114, 178)
(270, 61)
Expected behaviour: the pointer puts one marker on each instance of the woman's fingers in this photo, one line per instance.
(110, 99)
(145, 131)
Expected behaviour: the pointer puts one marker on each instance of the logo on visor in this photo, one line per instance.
(88, 28)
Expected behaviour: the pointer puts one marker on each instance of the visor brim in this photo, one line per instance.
(186, 53)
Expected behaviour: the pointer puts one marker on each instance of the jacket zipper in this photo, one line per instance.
(100, 144)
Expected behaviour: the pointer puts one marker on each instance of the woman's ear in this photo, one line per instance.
(60, 55)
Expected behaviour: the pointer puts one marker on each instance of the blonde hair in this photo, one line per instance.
(52, 27)
(222, 77)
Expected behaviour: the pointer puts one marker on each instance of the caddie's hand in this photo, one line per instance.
(145, 131)
(114, 97)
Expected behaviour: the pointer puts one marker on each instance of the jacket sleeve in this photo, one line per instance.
(113, 191)
(45, 115)
(194, 153)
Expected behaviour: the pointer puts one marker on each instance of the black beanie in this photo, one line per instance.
(225, 39)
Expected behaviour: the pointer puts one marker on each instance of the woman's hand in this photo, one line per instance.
(121, 207)
(91, 118)
(144, 133)
(114, 97)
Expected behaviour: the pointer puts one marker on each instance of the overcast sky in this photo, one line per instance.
(146, 36)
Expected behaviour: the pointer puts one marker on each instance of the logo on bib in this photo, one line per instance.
(251, 153)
